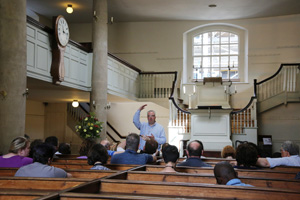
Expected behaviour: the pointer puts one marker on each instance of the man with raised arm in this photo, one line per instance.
(289, 157)
(150, 129)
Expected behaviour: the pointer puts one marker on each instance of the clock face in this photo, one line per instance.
(63, 33)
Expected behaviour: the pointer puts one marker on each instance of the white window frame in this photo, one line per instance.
(188, 49)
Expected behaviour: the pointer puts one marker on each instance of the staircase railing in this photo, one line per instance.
(244, 118)
(283, 81)
(156, 84)
(178, 117)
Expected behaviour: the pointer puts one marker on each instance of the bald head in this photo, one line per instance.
(106, 144)
(195, 148)
(224, 172)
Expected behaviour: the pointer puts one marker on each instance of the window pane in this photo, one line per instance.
(234, 61)
(234, 38)
(206, 61)
(215, 49)
(197, 50)
(198, 40)
(215, 61)
(234, 74)
(206, 50)
(206, 72)
(197, 62)
(215, 72)
(234, 49)
(215, 37)
(224, 72)
(224, 37)
(225, 49)
(224, 61)
(207, 38)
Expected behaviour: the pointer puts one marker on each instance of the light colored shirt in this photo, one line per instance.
(237, 182)
(156, 130)
(293, 160)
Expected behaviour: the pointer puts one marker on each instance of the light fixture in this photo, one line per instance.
(75, 103)
(69, 9)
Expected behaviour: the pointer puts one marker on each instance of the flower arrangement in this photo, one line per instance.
(89, 127)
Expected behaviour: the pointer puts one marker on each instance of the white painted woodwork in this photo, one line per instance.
(211, 127)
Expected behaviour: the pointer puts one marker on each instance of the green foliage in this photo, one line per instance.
(89, 127)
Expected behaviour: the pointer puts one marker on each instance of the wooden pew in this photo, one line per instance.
(119, 185)
(76, 173)
(119, 167)
(70, 160)
(209, 170)
(199, 178)
(9, 194)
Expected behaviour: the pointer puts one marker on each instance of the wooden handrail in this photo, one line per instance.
(246, 107)
(174, 72)
(119, 135)
(281, 66)
(124, 62)
(175, 104)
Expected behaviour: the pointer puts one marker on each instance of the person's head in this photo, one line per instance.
(289, 148)
(43, 153)
(170, 153)
(20, 145)
(86, 145)
(52, 140)
(33, 144)
(64, 148)
(151, 116)
(195, 148)
(228, 151)
(106, 144)
(246, 155)
(224, 172)
(150, 146)
(98, 153)
(132, 141)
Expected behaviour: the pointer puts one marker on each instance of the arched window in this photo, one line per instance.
(216, 50)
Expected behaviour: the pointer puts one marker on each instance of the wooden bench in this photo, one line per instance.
(209, 170)
(199, 178)
(22, 194)
(119, 167)
(76, 173)
(119, 185)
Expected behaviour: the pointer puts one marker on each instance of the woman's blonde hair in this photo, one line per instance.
(19, 143)
(228, 151)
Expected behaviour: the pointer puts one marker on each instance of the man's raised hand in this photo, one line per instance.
(142, 107)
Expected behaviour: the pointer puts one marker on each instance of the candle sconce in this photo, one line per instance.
(196, 69)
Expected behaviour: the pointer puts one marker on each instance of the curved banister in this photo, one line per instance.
(246, 107)
(175, 104)
(281, 66)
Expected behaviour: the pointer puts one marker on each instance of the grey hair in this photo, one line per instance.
(290, 147)
(151, 111)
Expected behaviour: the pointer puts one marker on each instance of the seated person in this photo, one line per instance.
(98, 156)
(246, 156)
(64, 148)
(18, 152)
(42, 158)
(53, 140)
(33, 144)
(106, 144)
(289, 157)
(228, 152)
(130, 156)
(86, 145)
(194, 152)
(150, 147)
(170, 155)
(225, 175)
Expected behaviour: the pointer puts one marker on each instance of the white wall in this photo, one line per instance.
(282, 122)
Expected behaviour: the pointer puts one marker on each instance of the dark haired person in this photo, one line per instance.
(150, 146)
(98, 156)
(18, 152)
(194, 152)
(170, 155)
(289, 157)
(130, 156)
(246, 156)
(42, 158)
(33, 144)
(226, 175)
(64, 148)
(86, 145)
(228, 152)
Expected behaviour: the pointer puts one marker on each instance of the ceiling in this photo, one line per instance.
(167, 10)
(147, 10)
